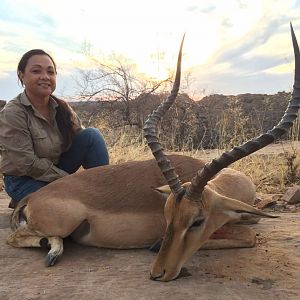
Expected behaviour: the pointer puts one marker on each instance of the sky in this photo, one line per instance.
(231, 47)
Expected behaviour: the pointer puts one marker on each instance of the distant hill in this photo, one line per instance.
(231, 119)
(216, 120)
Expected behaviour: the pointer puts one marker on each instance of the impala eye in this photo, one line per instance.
(197, 223)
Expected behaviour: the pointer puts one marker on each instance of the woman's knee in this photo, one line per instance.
(91, 133)
(97, 144)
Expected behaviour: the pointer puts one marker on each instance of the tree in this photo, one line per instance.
(116, 80)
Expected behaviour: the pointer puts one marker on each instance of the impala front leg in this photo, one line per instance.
(231, 236)
(234, 236)
(156, 246)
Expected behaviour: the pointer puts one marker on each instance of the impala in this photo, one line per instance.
(129, 205)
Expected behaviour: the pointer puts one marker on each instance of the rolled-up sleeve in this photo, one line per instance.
(18, 150)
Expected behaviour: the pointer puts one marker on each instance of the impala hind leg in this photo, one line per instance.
(25, 237)
(235, 236)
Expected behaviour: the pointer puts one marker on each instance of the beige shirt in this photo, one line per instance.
(29, 144)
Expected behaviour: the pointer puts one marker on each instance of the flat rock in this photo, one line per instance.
(292, 195)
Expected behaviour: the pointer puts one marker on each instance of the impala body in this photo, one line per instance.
(105, 207)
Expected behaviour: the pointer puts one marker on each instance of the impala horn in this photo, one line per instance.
(151, 135)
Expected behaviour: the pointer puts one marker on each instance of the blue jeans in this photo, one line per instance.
(88, 150)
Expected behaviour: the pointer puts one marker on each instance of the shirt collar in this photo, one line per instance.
(25, 101)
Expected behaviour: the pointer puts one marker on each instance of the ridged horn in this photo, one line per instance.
(151, 135)
(205, 174)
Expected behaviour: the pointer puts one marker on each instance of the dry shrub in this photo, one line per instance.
(128, 148)
(271, 173)
(267, 171)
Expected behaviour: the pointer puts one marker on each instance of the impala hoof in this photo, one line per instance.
(51, 259)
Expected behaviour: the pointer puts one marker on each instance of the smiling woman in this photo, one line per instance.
(38, 75)
(41, 137)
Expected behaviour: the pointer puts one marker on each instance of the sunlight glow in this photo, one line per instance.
(281, 69)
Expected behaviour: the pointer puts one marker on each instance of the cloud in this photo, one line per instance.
(224, 38)
(256, 37)
(8, 86)
(208, 9)
(258, 59)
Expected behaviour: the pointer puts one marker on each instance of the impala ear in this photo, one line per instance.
(240, 210)
(164, 189)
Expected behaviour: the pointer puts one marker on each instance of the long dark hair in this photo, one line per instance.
(65, 119)
(65, 116)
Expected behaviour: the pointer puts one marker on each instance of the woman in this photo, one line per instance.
(41, 137)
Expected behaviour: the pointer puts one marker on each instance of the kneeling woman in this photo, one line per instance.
(41, 137)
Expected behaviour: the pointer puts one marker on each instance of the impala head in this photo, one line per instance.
(194, 211)
(190, 223)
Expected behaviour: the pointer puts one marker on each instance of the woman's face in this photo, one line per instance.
(39, 77)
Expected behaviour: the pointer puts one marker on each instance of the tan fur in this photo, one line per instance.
(234, 184)
(119, 202)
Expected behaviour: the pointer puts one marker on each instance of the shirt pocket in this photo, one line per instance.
(40, 142)
(38, 133)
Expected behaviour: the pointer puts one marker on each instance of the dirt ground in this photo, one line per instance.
(271, 270)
